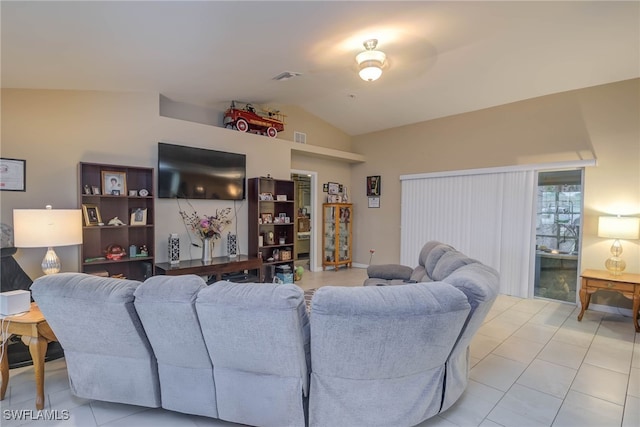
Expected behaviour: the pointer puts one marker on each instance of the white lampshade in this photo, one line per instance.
(46, 228)
(617, 227)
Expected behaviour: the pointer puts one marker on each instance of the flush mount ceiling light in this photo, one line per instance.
(370, 61)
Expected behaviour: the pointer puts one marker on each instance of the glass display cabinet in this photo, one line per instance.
(336, 234)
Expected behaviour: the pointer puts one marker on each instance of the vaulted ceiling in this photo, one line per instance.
(444, 58)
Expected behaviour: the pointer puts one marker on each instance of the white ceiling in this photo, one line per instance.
(444, 57)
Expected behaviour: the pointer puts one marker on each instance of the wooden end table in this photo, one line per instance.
(627, 284)
(36, 334)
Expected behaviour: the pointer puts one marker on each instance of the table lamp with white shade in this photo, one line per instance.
(46, 228)
(618, 227)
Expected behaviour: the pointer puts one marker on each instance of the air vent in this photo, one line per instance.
(286, 75)
(299, 137)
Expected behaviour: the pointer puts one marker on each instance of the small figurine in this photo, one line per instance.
(115, 221)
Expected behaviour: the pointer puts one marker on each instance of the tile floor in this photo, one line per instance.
(533, 364)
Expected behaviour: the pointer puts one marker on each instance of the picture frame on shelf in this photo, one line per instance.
(139, 216)
(133, 193)
(86, 190)
(13, 174)
(281, 197)
(91, 214)
(114, 183)
(96, 190)
(333, 188)
(267, 218)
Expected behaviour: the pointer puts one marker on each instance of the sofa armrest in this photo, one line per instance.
(390, 271)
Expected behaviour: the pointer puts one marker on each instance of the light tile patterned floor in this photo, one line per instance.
(533, 364)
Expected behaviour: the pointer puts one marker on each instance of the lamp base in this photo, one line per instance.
(51, 262)
(615, 265)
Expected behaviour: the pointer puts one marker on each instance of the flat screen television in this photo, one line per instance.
(198, 173)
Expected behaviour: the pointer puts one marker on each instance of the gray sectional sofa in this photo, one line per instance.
(252, 354)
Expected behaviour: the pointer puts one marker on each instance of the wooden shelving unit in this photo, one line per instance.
(96, 238)
(337, 234)
(273, 241)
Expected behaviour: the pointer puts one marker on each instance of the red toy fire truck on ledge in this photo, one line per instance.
(247, 119)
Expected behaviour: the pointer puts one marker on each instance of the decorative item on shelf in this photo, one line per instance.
(91, 215)
(133, 251)
(143, 192)
(627, 228)
(208, 245)
(115, 221)
(232, 245)
(208, 228)
(139, 216)
(95, 190)
(174, 249)
(345, 196)
(143, 251)
(46, 228)
(87, 190)
(265, 197)
(283, 238)
(115, 252)
(276, 254)
(114, 183)
(133, 193)
(269, 238)
(285, 254)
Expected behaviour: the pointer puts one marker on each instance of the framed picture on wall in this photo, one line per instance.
(13, 174)
(373, 186)
(334, 188)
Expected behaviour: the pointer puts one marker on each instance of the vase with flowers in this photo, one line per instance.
(207, 228)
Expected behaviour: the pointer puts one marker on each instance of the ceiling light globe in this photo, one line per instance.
(370, 73)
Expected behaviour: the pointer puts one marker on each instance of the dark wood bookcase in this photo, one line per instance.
(96, 238)
(272, 199)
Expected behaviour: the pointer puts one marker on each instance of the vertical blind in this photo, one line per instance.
(487, 216)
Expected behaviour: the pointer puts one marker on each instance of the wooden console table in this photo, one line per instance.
(36, 334)
(627, 284)
(217, 267)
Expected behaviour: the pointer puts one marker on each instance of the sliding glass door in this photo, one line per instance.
(558, 232)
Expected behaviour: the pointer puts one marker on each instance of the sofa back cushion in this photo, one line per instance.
(378, 353)
(449, 262)
(433, 255)
(107, 352)
(167, 308)
(257, 336)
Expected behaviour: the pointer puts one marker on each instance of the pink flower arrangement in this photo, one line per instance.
(207, 226)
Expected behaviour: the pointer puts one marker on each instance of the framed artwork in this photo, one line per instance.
(114, 183)
(13, 174)
(374, 202)
(325, 188)
(373, 185)
(334, 188)
(267, 218)
(96, 190)
(139, 216)
(91, 215)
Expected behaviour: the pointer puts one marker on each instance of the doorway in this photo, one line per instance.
(304, 207)
(558, 234)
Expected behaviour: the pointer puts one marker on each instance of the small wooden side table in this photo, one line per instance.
(627, 284)
(36, 334)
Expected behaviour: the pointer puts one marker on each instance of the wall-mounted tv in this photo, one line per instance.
(198, 173)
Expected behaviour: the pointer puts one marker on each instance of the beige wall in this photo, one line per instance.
(55, 130)
(600, 122)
